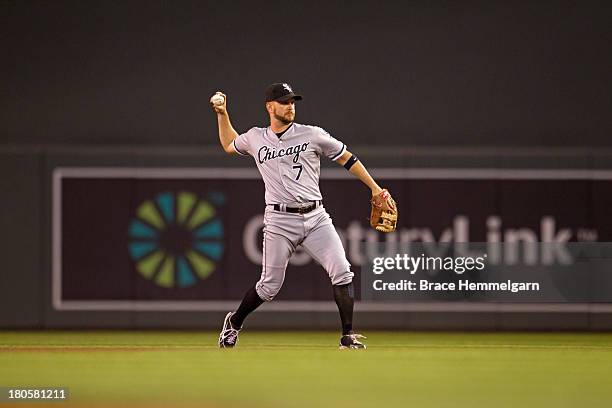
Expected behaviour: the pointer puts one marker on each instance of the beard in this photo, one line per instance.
(287, 119)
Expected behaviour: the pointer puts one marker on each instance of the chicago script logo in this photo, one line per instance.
(266, 153)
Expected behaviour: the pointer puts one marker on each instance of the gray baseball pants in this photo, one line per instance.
(284, 232)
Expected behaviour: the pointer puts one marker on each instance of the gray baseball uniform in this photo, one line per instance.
(290, 167)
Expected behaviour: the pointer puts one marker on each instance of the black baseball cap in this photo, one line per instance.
(281, 92)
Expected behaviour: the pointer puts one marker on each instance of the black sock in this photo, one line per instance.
(250, 302)
(344, 297)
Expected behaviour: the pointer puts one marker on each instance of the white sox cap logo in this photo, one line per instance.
(287, 87)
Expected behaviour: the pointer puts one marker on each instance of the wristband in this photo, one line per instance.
(349, 163)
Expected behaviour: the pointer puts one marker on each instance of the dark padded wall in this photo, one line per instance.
(21, 211)
(417, 73)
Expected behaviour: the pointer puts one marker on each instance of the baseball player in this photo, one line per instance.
(287, 155)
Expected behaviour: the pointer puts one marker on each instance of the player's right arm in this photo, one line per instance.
(227, 133)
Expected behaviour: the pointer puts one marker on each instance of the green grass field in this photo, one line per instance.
(293, 369)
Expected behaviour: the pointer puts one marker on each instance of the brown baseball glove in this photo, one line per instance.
(384, 212)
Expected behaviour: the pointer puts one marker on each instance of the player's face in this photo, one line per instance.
(284, 111)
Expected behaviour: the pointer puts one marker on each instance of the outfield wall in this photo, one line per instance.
(98, 194)
(483, 73)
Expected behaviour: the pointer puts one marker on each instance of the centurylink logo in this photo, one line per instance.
(176, 239)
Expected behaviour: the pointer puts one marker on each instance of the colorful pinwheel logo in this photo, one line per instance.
(175, 239)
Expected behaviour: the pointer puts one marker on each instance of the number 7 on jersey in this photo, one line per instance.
(299, 166)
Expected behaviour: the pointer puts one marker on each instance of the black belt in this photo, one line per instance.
(299, 210)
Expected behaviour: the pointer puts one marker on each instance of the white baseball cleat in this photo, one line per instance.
(351, 341)
(228, 336)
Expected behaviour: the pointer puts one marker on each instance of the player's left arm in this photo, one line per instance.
(356, 168)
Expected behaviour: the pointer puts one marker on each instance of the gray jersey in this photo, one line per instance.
(290, 165)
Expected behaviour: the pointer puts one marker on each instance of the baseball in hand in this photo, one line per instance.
(217, 100)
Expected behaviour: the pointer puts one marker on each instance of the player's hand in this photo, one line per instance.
(219, 102)
(376, 191)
